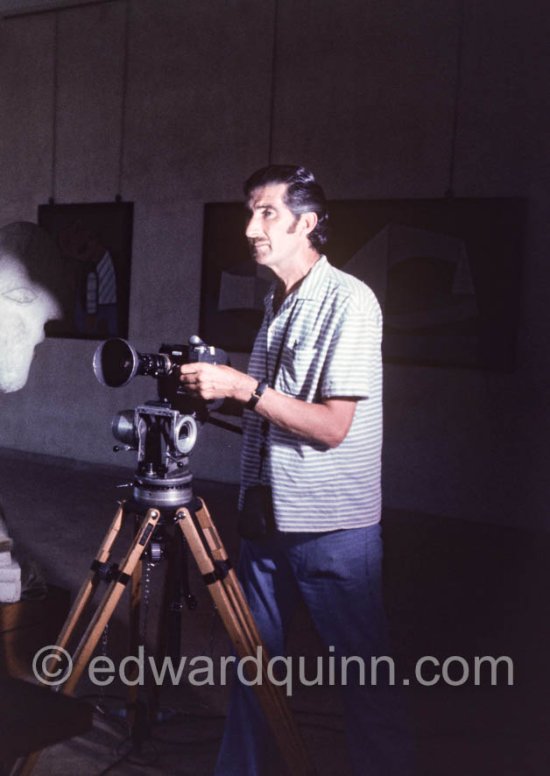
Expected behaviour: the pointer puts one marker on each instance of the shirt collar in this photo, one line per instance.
(307, 289)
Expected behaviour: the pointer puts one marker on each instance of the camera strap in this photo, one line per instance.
(271, 383)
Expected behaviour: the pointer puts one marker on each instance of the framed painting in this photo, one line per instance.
(95, 243)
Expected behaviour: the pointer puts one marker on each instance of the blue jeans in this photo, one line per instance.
(338, 575)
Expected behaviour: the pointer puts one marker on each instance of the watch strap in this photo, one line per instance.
(257, 394)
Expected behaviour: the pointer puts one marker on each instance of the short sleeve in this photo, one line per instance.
(354, 354)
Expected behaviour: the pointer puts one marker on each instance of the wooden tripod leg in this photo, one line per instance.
(240, 627)
(239, 602)
(235, 593)
(231, 583)
(91, 582)
(110, 600)
(25, 766)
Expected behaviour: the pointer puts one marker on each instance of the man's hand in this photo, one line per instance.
(326, 422)
(215, 381)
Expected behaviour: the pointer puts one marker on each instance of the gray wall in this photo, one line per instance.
(364, 94)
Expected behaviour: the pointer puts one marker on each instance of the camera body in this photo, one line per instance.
(169, 386)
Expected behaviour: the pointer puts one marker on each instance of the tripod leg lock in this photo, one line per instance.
(109, 572)
(221, 570)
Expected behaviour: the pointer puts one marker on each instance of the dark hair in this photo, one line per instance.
(303, 195)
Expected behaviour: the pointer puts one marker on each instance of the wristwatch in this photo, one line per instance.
(257, 395)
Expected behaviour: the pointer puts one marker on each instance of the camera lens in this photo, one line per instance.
(115, 363)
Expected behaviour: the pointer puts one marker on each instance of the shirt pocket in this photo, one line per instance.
(299, 370)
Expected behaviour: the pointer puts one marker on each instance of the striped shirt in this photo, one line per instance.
(327, 338)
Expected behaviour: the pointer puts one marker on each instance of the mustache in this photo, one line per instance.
(254, 244)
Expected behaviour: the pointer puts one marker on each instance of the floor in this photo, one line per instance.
(454, 589)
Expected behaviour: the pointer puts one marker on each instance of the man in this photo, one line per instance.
(312, 437)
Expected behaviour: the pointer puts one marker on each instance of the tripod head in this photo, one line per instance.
(163, 437)
(162, 432)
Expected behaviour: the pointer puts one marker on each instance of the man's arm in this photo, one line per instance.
(327, 422)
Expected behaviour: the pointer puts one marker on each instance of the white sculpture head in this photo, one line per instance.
(29, 270)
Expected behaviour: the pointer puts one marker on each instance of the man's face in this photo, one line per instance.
(24, 309)
(271, 229)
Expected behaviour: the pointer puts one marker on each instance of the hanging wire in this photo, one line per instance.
(55, 86)
(18, 13)
(273, 73)
(457, 90)
(121, 148)
(68, 6)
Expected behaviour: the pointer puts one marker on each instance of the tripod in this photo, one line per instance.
(175, 502)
